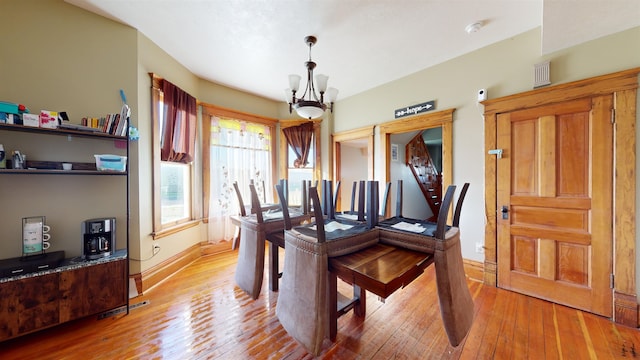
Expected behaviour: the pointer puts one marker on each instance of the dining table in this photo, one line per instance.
(251, 253)
(382, 260)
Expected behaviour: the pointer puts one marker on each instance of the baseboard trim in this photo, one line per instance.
(625, 309)
(208, 248)
(156, 274)
(474, 269)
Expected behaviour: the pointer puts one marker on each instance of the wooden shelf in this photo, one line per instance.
(60, 132)
(58, 172)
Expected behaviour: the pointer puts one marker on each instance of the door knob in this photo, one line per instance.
(505, 212)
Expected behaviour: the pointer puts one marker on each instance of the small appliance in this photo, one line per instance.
(98, 238)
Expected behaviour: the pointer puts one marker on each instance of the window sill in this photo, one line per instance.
(174, 229)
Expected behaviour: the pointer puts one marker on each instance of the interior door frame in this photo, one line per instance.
(443, 118)
(623, 86)
(366, 133)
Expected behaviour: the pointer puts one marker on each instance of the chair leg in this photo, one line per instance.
(236, 239)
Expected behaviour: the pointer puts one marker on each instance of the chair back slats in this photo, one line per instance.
(373, 203)
(353, 196)
(317, 213)
(331, 210)
(385, 200)
(399, 199)
(324, 191)
(285, 189)
(456, 214)
(334, 201)
(305, 196)
(284, 207)
(361, 200)
(243, 211)
(255, 203)
(441, 225)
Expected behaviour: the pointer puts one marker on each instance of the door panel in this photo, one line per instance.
(555, 183)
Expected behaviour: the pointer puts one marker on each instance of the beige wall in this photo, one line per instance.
(504, 68)
(58, 57)
(64, 58)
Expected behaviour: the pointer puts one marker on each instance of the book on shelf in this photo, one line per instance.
(109, 124)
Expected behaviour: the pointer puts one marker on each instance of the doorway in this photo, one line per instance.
(440, 120)
(352, 161)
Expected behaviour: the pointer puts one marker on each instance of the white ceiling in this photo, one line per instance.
(252, 45)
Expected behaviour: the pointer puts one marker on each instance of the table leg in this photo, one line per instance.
(333, 306)
(360, 306)
(273, 267)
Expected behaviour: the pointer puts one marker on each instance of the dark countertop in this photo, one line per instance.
(69, 264)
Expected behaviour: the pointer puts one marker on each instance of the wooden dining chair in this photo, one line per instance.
(399, 199)
(458, 210)
(385, 200)
(284, 184)
(242, 212)
(353, 197)
(275, 239)
(329, 198)
(320, 220)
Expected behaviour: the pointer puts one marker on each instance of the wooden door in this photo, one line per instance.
(554, 202)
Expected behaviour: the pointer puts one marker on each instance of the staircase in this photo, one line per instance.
(425, 173)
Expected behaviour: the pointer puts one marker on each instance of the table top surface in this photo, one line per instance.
(380, 268)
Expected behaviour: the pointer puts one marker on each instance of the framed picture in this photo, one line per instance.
(394, 152)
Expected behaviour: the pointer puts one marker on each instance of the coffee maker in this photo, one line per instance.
(98, 238)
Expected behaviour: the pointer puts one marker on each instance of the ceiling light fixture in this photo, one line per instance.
(309, 105)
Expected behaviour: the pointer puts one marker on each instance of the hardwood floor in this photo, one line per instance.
(199, 313)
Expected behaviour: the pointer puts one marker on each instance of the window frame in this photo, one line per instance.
(161, 230)
(209, 110)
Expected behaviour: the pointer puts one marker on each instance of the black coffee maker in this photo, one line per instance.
(98, 238)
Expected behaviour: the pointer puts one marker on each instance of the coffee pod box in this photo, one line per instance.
(31, 120)
(48, 119)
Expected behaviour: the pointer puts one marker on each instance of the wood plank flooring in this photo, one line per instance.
(199, 313)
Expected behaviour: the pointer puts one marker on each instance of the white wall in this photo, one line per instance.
(354, 168)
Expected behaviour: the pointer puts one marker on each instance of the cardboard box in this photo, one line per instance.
(31, 120)
(49, 119)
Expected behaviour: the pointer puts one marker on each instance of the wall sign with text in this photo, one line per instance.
(415, 109)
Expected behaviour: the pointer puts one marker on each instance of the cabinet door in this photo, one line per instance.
(92, 290)
(28, 304)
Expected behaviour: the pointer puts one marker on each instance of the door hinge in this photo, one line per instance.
(613, 116)
(611, 280)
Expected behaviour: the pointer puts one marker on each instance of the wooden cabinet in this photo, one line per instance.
(27, 305)
(84, 293)
(42, 301)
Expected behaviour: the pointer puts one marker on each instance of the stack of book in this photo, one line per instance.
(113, 124)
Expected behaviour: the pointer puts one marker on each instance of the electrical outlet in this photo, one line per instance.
(156, 249)
(479, 248)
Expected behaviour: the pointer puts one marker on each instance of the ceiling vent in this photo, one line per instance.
(541, 74)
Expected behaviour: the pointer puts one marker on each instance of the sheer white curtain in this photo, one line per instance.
(240, 151)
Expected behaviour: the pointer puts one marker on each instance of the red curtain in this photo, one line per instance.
(299, 138)
(178, 137)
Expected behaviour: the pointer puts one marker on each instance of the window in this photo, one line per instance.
(238, 147)
(175, 192)
(295, 175)
(173, 156)
(287, 169)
